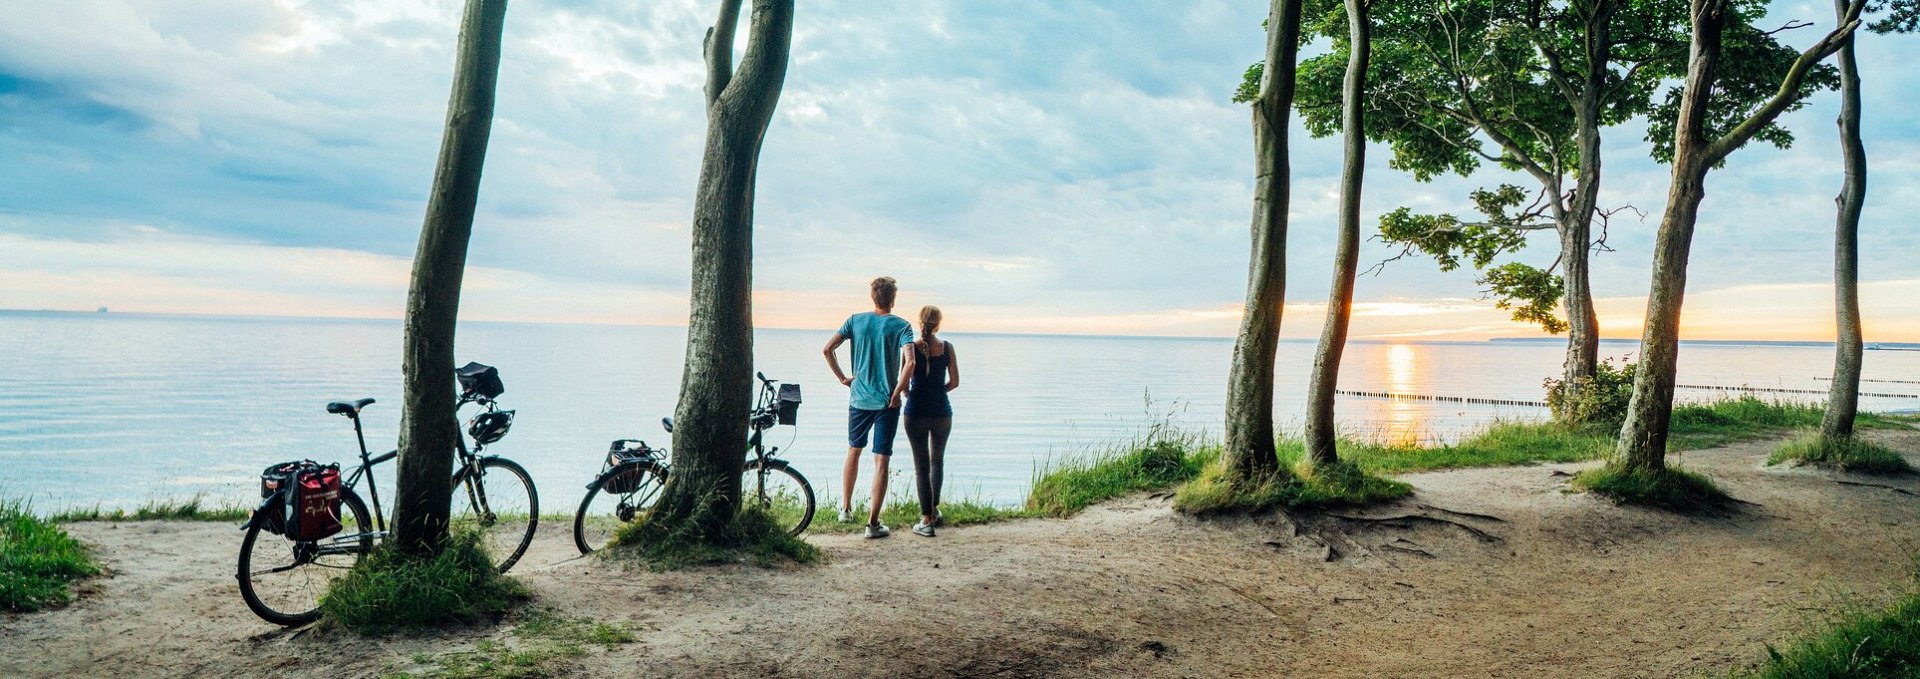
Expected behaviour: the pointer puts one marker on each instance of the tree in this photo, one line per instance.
(429, 428)
(1699, 145)
(1320, 432)
(702, 497)
(1843, 395)
(1249, 454)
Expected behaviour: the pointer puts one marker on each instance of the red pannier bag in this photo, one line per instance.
(315, 503)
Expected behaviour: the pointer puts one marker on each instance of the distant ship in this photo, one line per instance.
(103, 310)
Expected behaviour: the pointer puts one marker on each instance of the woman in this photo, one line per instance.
(928, 371)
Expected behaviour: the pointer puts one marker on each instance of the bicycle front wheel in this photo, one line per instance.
(615, 500)
(501, 504)
(283, 580)
(780, 491)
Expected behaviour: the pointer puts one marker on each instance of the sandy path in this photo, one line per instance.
(1565, 585)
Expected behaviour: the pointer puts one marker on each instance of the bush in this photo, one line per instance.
(39, 562)
(1671, 488)
(1601, 399)
(391, 590)
(753, 535)
(1852, 454)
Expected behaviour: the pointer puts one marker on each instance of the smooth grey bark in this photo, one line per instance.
(429, 428)
(1843, 395)
(1642, 445)
(1575, 222)
(1249, 453)
(702, 496)
(1321, 434)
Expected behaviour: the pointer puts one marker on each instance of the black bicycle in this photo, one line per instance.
(635, 473)
(282, 578)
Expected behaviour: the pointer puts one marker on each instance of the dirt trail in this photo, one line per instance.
(1541, 583)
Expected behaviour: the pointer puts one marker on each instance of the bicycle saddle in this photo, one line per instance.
(348, 408)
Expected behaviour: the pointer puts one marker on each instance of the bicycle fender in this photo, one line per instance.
(261, 510)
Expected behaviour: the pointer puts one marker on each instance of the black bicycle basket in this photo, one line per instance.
(621, 452)
(787, 406)
(490, 426)
(480, 379)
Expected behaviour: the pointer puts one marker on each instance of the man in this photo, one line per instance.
(877, 337)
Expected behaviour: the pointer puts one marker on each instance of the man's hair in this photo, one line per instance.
(884, 290)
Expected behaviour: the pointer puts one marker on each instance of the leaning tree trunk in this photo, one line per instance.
(710, 433)
(1249, 453)
(1642, 446)
(429, 429)
(1576, 225)
(1333, 336)
(1843, 396)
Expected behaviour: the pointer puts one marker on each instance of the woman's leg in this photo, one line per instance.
(917, 436)
(937, 461)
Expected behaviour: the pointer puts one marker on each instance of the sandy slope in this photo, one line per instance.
(1559, 585)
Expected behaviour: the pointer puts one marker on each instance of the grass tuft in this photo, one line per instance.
(1341, 484)
(1851, 455)
(192, 509)
(1671, 489)
(1864, 642)
(753, 536)
(39, 562)
(1165, 458)
(903, 509)
(544, 643)
(390, 590)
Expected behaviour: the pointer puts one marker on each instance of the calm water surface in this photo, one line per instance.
(118, 409)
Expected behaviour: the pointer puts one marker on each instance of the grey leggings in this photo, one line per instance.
(928, 436)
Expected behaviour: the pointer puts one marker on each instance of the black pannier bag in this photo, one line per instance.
(272, 479)
(621, 452)
(787, 407)
(480, 379)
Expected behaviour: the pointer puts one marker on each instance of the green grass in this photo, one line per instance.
(754, 536)
(39, 562)
(904, 510)
(1865, 643)
(389, 590)
(1852, 455)
(1162, 460)
(192, 509)
(1340, 484)
(1672, 489)
(543, 644)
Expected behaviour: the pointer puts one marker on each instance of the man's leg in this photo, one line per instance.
(886, 424)
(879, 488)
(859, 422)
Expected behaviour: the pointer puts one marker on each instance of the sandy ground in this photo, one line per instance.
(1542, 583)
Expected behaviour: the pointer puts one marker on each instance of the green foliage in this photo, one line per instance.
(1341, 484)
(1163, 460)
(1902, 16)
(903, 509)
(39, 562)
(1601, 399)
(391, 590)
(543, 645)
(193, 509)
(1851, 454)
(1530, 293)
(1753, 62)
(1671, 489)
(753, 536)
(1501, 445)
(1865, 643)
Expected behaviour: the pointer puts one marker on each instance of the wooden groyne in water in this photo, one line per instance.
(1782, 390)
(1449, 399)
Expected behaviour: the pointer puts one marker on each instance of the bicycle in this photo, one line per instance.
(636, 473)
(282, 579)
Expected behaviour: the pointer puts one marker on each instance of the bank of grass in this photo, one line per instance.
(1672, 489)
(902, 510)
(196, 508)
(1851, 455)
(39, 562)
(1864, 643)
(1342, 484)
(390, 591)
(542, 643)
(754, 537)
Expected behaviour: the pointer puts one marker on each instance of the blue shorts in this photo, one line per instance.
(883, 424)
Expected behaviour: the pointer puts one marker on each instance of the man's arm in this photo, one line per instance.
(906, 373)
(833, 359)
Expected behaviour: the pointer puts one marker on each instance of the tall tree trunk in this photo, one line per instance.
(1249, 453)
(429, 430)
(710, 433)
(1321, 433)
(1642, 446)
(1576, 226)
(1843, 396)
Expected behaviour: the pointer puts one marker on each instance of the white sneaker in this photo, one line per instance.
(846, 515)
(923, 530)
(875, 530)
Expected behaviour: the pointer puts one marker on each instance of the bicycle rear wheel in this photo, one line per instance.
(615, 500)
(501, 504)
(780, 491)
(283, 580)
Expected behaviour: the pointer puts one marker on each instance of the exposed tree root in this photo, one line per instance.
(1470, 515)
(1407, 521)
(1896, 489)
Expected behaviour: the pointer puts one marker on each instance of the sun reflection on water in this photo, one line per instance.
(1403, 425)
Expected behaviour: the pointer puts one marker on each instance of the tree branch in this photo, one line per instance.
(1789, 88)
(719, 49)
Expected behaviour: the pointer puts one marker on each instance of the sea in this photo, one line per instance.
(117, 410)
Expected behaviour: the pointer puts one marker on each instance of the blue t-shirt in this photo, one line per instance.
(876, 356)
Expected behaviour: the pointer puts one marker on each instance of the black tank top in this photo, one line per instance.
(927, 391)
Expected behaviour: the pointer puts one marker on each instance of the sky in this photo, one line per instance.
(1060, 167)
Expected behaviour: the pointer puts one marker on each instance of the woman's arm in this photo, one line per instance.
(906, 372)
(953, 369)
